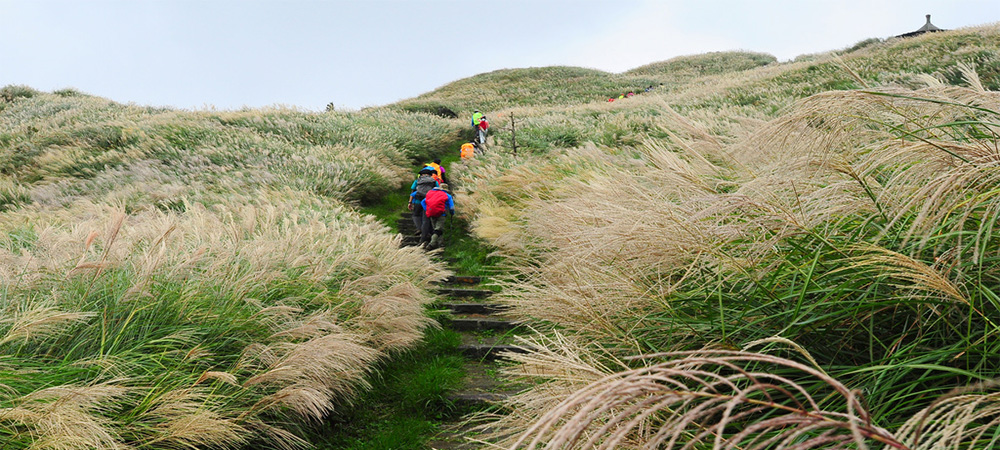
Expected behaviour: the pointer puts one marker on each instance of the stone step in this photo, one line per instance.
(476, 400)
(410, 241)
(475, 308)
(459, 292)
(488, 347)
(459, 279)
(488, 352)
(481, 387)
(475, 322)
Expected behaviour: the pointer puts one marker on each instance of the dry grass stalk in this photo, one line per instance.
(69, 417)
(311, 375)
(958, 421)
(711, 399)
(40, 321)
(909, 274)
(188, 418)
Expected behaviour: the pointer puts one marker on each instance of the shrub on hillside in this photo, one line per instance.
(13, 92)
(435, 108)
(864, 43)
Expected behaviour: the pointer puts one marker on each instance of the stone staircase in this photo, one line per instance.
(485, 338)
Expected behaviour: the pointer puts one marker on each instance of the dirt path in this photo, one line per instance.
(485, 336)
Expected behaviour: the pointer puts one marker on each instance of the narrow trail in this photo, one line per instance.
(485, 337)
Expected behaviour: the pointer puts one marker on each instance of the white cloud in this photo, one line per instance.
(646, 34)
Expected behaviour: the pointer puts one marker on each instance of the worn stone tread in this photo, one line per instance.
(459, 292)
(462, 279)
(476, 308)
(480, 322)
(487, 352)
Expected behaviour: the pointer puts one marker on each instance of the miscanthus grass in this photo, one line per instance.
(246, 315)
(196, 279)
(848, 244)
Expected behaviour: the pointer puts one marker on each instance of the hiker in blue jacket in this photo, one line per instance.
(418, 190)
(437, 205)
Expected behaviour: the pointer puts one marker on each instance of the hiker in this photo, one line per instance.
(476, 116)
(437, 205)
(468, 150)
(436, 165)
(418, 190)
(484, 125)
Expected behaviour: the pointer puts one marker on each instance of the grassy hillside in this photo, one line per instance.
(176, 279)
(563, 86)
(694, 66)
(564, 106)
(791, 254)
(808, 247)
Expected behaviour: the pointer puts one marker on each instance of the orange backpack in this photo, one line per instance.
(468, 150)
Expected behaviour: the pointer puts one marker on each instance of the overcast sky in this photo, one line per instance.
(355, 53)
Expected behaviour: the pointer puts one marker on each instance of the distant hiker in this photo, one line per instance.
(436, 165)
(630, 94)
(468, 151)
(484, 126)
(437, 205)
(476, 116)
(418, 190)
(433, 173)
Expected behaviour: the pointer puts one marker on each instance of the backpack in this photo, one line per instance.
(468, 151)
(424, 185)
(437, 203)
(435, 166)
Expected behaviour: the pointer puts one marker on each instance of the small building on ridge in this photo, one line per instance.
(927, 28)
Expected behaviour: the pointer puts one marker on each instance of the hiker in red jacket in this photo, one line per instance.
(484, 125)
(437, 205)
(418, 190)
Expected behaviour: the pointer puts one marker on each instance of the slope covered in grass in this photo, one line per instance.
(561, 86)
(693, 66)
(176, 279)
(834, 216)
(198, 279)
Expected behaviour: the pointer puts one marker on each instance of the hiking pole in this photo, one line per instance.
(448, 228)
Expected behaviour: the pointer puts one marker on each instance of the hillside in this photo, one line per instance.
(796, 255)
(563, 86)
(565, 106)
(807, 246)
(178, 279)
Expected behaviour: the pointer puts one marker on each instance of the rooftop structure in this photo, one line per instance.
(927, 28)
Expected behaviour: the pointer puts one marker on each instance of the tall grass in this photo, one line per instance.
(197, 279)
(857, 224)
